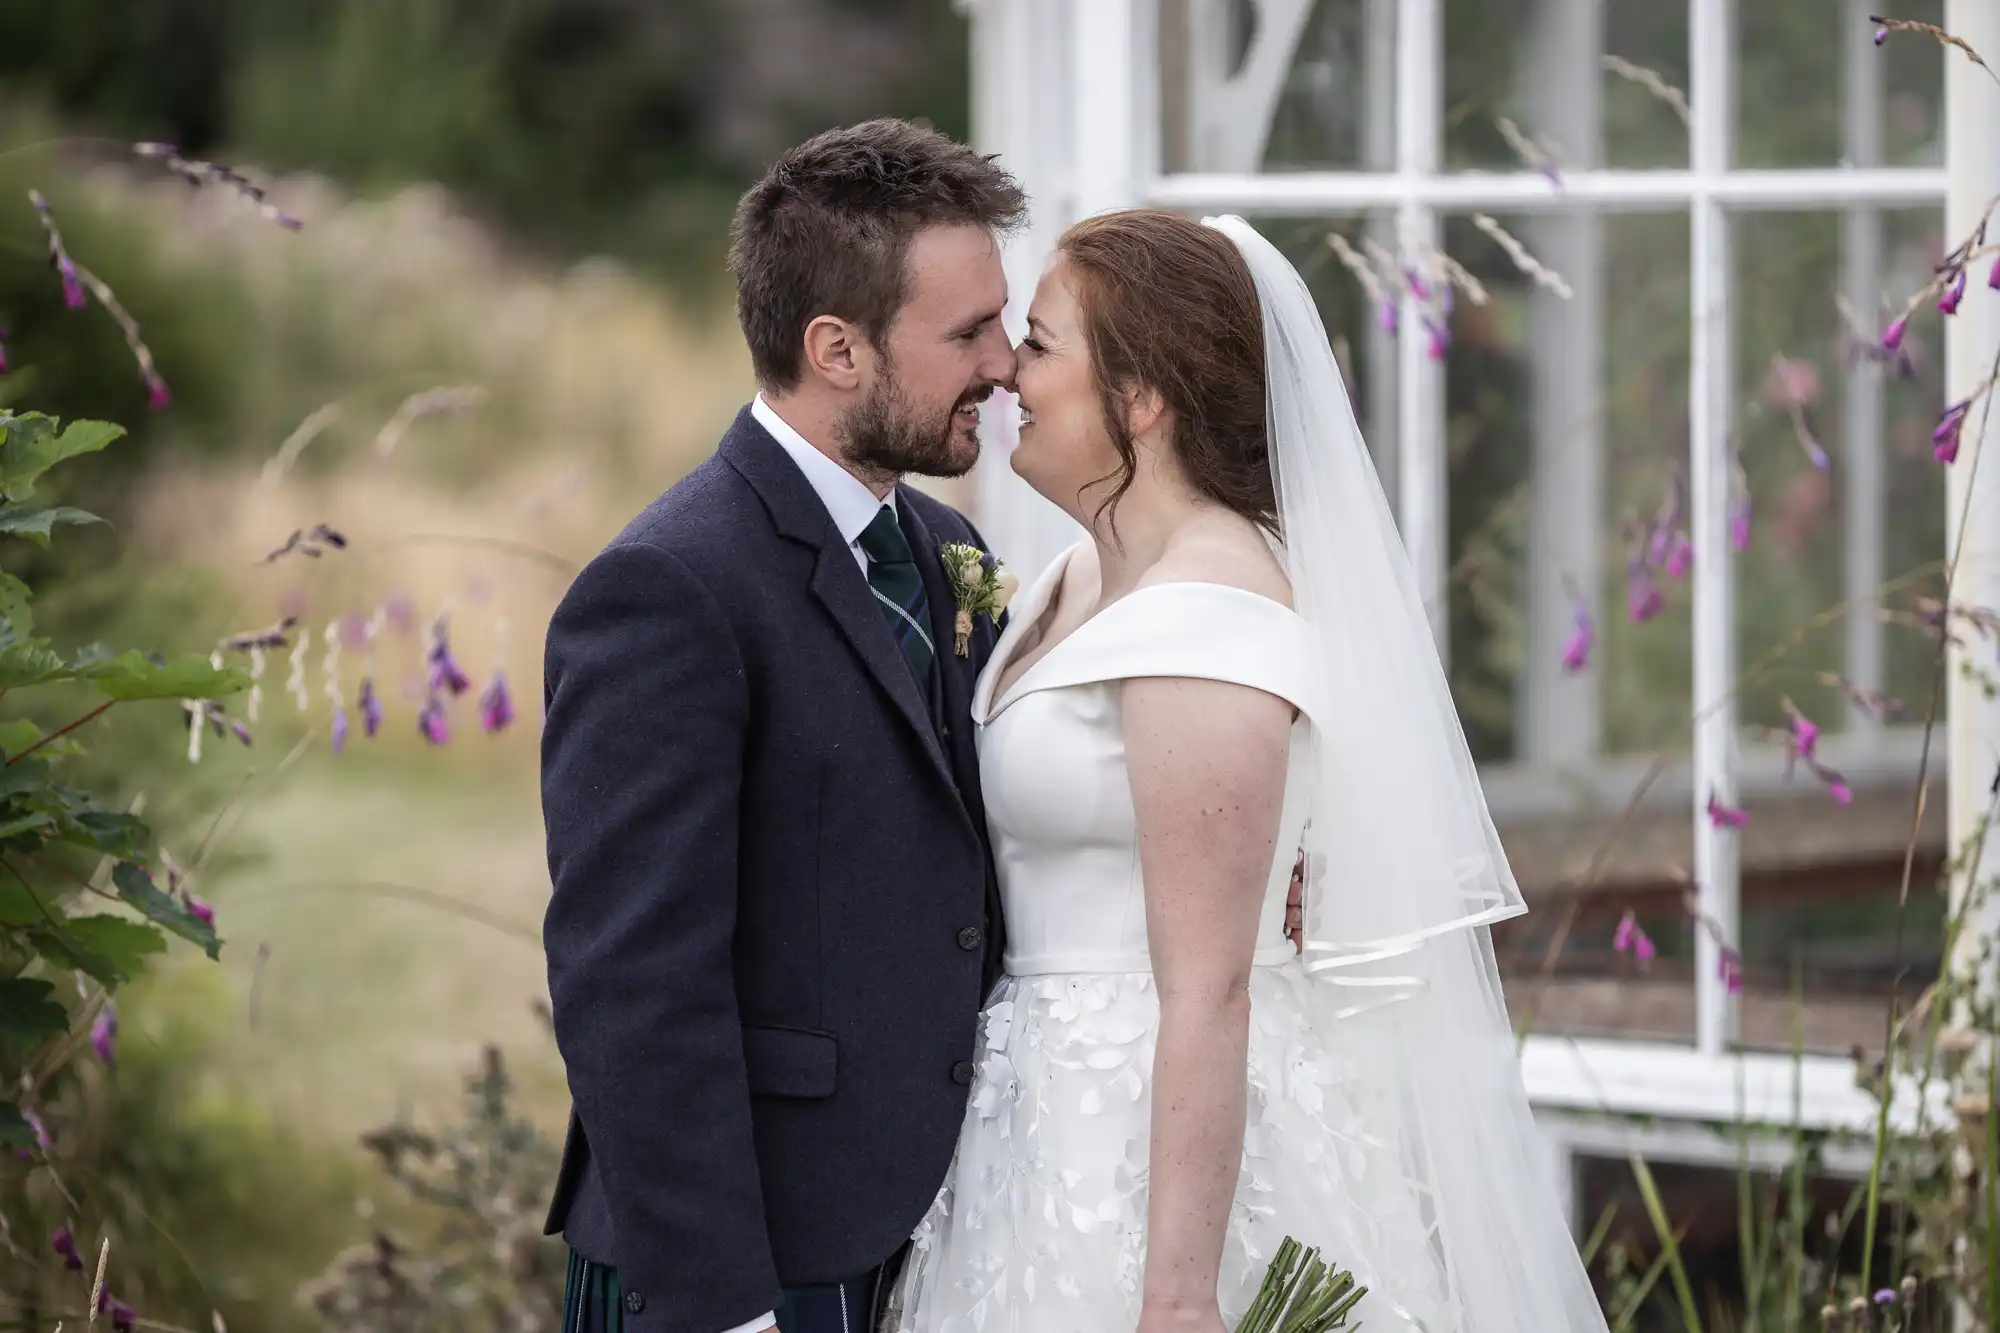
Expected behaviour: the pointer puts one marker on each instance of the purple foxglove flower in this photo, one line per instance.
(200, 910)
(1726, 816)
(370, 706)
(496, 704)
(1385, 315)
(64, 1244)
(433, 722)
(43, 1139)
(104, 1033)
(1730, 968)
(1576, 651)
(1892, 337)
(1945, 437)
(1440, 339)
(339, 730)
(1948, 303)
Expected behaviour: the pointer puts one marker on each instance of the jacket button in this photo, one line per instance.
(970, 938)
(961, 1073)
(634, 1303)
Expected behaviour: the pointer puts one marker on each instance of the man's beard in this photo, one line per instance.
(884, 434)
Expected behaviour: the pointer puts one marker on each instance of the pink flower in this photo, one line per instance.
(1629, 938)
(1801, 736)
(1993, 275)
(496, 705)
(433, 722)
(43, 1139)
(104, 1033)
(64, 1244)
(1739, 522)
(1892, 337)
(1729, 966)
(1881, 36)
(1440, 339)
(1948, 303)
(1576, 652)
(370, 705)
(1680, 555)
(1643, 599)
(1841, 792)
(1725, 816)
(157, 393)
(200, 910)
(1385, 317)
(1945, 436)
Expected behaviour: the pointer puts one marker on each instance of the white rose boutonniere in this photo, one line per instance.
(980, 585)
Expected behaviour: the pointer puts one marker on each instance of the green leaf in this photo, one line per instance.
(14, 607)
(23, 774)
(112, 834)
(136, 887)
(37, 524)
(20, 824)
(27, 1011)
(32, 447)
(64, 949)
(15, 1131)
(31, 662)
(135, 675)
(124, 943)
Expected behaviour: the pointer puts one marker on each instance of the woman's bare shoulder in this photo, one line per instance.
(1223, 549)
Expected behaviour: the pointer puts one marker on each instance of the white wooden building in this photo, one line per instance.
(1102, 104)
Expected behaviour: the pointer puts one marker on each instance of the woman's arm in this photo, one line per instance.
(1207, 763)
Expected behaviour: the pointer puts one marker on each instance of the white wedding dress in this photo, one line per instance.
(1041, 1227)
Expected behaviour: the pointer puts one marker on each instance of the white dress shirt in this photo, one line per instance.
(852, 505)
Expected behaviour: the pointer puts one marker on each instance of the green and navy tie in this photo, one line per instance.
(899, 592)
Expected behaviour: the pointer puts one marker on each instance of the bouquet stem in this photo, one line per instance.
(1302, 1293)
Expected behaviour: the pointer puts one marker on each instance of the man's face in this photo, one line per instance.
(945, 351)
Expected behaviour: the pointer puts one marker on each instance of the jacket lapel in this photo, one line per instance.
(837, 582)
(955, 673)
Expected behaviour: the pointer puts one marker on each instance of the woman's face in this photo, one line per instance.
(1064, 446)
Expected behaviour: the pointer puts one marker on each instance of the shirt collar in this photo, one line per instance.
(852, 505)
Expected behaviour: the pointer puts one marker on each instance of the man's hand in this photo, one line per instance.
(1295, 928)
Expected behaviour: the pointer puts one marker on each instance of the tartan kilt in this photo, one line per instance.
(593, 1299)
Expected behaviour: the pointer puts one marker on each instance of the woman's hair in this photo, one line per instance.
(1169, 305)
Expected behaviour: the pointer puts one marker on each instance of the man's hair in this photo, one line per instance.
(827, 230)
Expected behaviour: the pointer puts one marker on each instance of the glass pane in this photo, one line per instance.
(1366, 354)
(1824, 533)
(1564, 82)
(1822, 876)
(1814, 90)
(1542, 391)
(1301, 85)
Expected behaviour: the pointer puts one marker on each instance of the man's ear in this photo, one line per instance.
(835, 351)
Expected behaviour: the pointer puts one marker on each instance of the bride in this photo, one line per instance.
(1233, 668)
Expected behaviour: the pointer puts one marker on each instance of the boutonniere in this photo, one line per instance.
(980, 585)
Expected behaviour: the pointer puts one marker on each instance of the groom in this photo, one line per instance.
(775, 915)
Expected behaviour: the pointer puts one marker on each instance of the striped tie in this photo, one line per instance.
(899, 592)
